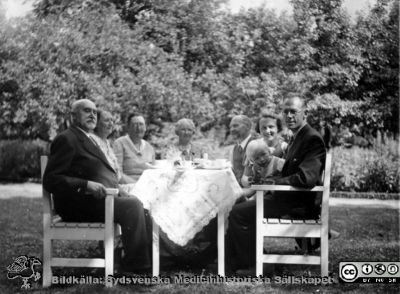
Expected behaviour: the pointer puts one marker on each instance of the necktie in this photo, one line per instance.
(290, 142)
(289, 147)
(238, 160)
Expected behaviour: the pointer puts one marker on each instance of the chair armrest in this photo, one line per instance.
(285, 188)
(46, 202)
(112, 192)
(109, 207)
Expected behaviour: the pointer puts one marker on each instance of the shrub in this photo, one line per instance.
(382, 176)
(366, 170)
(383, 171)
(20, 160)
(346, 163)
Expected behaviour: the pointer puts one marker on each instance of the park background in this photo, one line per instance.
(195, 59)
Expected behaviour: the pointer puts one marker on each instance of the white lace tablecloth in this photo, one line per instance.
(182, 203)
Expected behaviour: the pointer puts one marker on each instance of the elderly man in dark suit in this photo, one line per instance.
(303, 168)
(78, 173)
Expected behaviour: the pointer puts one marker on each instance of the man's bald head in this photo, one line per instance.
(80, 103)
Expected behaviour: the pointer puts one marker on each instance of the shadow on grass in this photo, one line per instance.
(367, 234)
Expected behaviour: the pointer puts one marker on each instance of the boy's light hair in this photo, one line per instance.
(256, 148)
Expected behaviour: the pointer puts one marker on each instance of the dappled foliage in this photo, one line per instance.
(89, 52)
(170, 59)
(366, 170)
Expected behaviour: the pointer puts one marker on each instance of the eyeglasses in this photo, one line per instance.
(291, 111)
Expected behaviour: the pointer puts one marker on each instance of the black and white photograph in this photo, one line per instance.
(199, 146)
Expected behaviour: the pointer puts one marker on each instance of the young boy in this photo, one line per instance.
(260, 164)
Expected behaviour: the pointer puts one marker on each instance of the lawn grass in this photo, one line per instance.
(367, 234)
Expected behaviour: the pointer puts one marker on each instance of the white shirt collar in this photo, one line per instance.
(244, 142)
(83, 131)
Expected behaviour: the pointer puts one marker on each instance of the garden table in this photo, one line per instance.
(182, 202)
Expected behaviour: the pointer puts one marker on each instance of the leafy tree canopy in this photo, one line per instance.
(171, 59)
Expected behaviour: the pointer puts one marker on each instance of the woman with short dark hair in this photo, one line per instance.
(134, 154)
(269, 126)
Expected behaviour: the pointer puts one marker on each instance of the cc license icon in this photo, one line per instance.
(349, 272)
(392, 269)
(367, 269)
(380, 268)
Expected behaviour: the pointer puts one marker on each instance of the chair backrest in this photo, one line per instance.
(326, 176)
(326, 191)
(43, 164)
(47, 199)
(323, 194)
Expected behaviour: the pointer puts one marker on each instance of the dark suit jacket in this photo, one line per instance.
(74, 160)
(239, 160)
(303, 167)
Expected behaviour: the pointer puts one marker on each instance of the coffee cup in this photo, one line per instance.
(221, 162)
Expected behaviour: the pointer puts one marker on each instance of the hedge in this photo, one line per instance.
(20, 160)
(374, 173)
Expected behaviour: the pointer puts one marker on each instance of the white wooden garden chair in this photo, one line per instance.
(55, 229)
(293, 228)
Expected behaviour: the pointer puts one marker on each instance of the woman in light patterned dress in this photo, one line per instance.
(199, 249)
(134, 155)
(184, 147)
(102, 131)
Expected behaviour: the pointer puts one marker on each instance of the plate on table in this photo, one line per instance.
(161, 164)
(182, 166)
(183, 169)
(216, 164)
(213, 167)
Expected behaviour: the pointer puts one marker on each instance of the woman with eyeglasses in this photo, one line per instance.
(184, 147)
